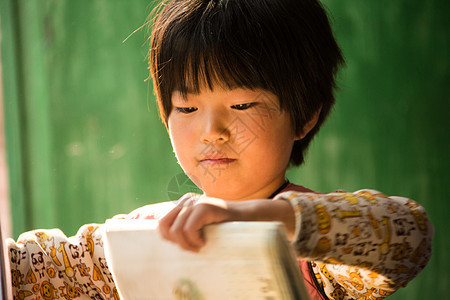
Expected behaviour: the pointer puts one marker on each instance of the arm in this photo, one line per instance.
(183, 224)
(45, 263)
(364, 242)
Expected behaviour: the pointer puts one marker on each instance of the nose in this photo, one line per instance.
(215, 127)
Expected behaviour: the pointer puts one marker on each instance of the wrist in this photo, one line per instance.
(279, 210)
(284, 213)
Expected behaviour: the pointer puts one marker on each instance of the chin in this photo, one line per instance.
(222, 187)
(224, 194)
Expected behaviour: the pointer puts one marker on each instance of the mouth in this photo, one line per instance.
(217, 161)
(216, 158)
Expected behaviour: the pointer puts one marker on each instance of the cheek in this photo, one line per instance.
(174, 135)
(181, 138)
(279, 141)
(176, 131)
(277, 134)
(176, 141)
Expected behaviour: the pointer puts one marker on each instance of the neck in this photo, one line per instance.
(267, 192)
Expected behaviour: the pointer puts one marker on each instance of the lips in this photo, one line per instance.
(216, 158)
(217, 161)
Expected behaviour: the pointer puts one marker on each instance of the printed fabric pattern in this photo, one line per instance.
(45, 264)
(361, 245)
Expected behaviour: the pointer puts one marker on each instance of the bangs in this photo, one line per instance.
(197, 67)
(215, 48)
(213, 54)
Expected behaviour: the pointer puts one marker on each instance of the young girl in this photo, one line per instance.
(243, 87)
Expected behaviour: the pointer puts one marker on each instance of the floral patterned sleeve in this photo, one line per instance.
(45, 264)
(361, 245)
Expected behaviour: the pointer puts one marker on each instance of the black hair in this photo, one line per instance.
(284, 46)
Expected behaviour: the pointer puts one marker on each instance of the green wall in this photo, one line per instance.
(390, 128)
(85, 142)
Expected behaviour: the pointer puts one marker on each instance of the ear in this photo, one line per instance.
(309, 125)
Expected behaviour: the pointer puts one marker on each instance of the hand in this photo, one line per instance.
(184, 224)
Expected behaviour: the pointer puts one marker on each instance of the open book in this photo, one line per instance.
(241, 260)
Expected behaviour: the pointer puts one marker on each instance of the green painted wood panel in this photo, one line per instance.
(389, 130)
(85, 141)
(90, 142)
(13, 128)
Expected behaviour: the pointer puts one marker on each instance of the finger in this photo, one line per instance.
(165, 223)
(203, 214)
(194, 225)
(179, 233)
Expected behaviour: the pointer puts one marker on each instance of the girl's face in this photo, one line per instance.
(233, 144)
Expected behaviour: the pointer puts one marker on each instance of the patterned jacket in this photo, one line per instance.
(361, 245)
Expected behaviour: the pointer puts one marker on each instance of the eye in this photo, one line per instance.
(185, 110)
(243, 106)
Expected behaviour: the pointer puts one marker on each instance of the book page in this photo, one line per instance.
(234, 264)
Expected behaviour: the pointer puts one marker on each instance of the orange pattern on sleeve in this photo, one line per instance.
(362, 245)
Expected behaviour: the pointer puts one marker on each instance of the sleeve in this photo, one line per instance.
(46, 264)
(363, 244)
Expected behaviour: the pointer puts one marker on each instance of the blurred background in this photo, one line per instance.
(84, 141)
